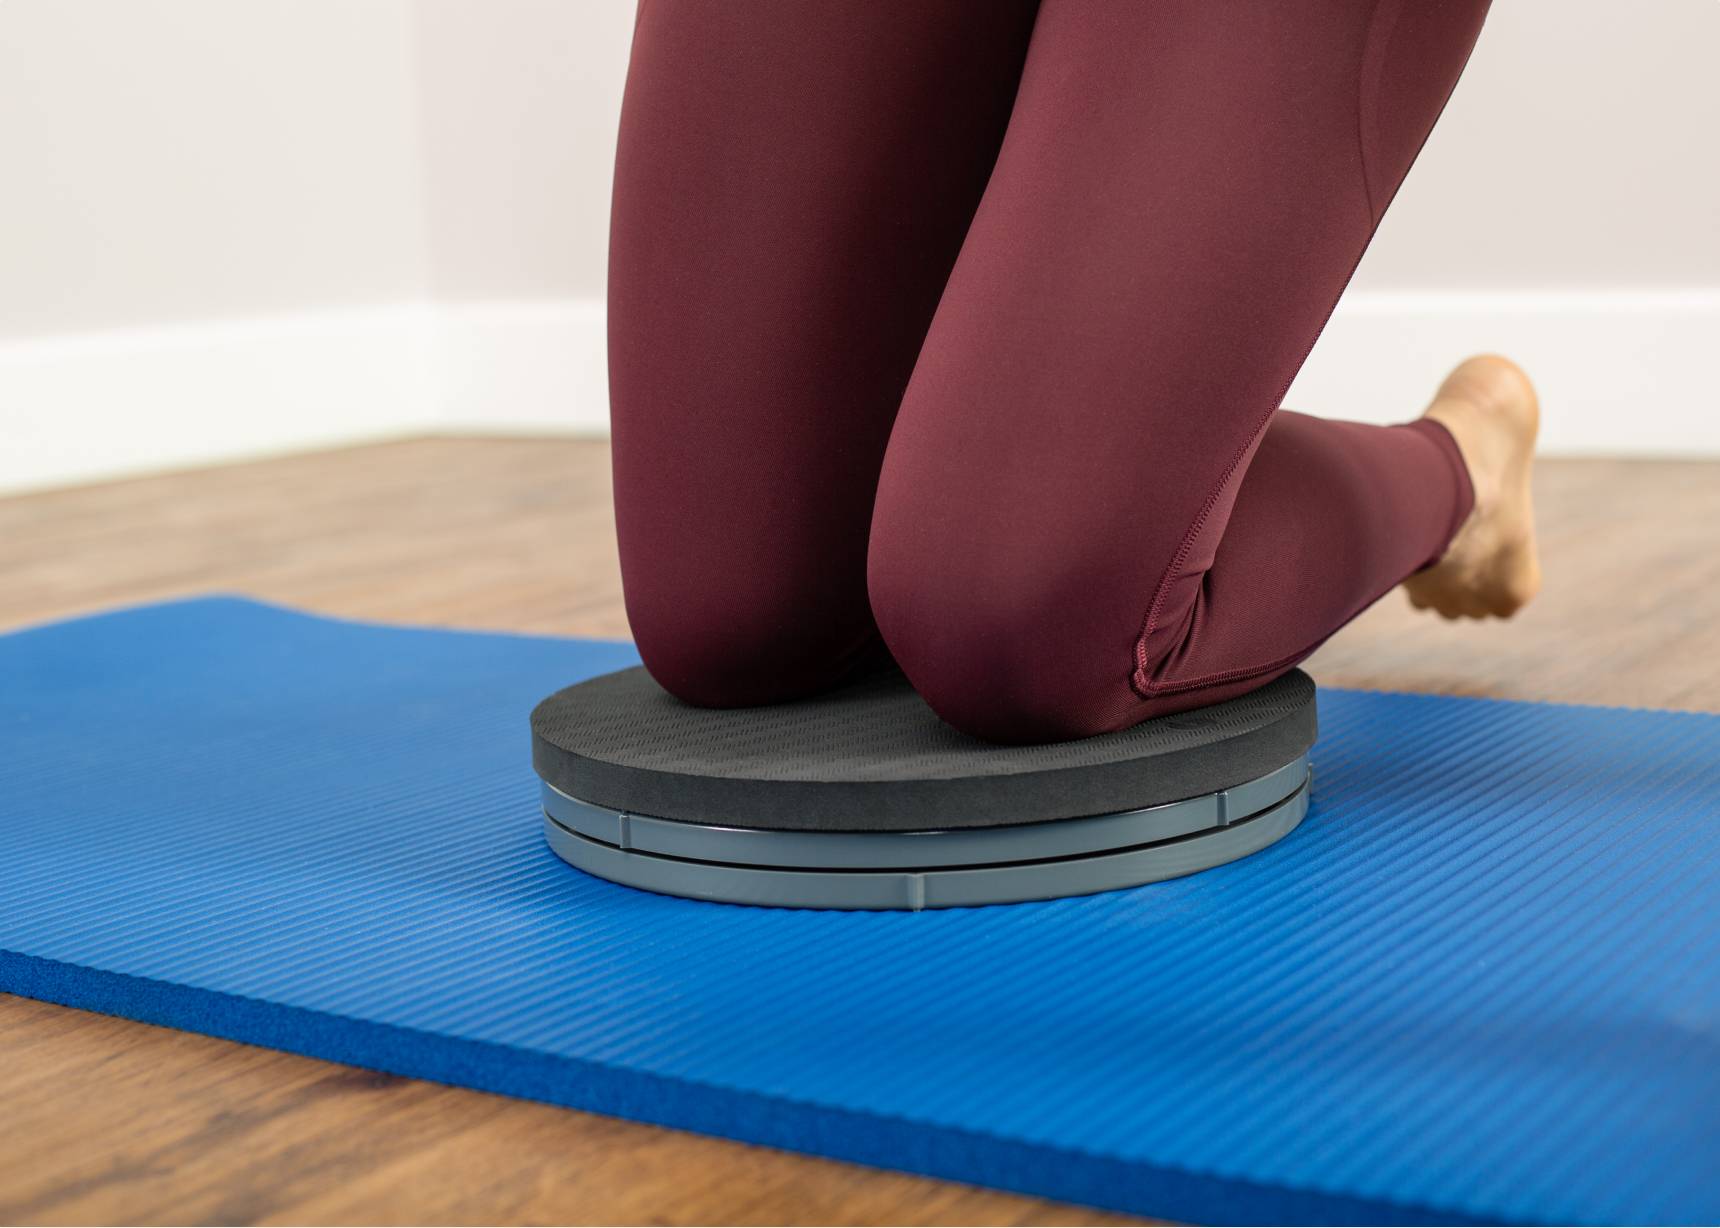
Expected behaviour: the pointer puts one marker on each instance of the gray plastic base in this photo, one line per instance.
(953, 886)
(962, 846)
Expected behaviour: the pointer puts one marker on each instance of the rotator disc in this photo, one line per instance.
(863, 798)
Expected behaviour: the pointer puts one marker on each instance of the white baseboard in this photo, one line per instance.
(98, 405)
(522, 367)
(1620, 372)
(109, 404)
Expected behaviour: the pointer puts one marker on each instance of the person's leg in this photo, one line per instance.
(792, 185)
(1064, 541)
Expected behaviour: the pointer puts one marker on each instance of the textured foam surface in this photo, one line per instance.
(871, 756)
(1481, 981)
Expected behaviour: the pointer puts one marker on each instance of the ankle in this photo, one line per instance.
(1465, 421)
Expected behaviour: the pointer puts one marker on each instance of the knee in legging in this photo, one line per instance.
(997, 652)
(743, 643)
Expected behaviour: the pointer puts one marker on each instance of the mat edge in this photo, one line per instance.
(875, 1140)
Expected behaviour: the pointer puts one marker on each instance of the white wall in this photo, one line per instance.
(204, 159)
(518, 102)
(211, 230)
(231, 226)
(1579, 151)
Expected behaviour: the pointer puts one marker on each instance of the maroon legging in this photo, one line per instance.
(967, 323)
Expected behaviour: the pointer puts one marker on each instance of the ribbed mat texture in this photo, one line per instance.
(1481, 982)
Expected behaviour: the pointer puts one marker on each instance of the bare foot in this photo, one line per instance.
(1490, 569)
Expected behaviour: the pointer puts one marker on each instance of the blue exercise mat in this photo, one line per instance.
(1481, 982)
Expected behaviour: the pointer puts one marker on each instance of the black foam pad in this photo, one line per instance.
(871, 756)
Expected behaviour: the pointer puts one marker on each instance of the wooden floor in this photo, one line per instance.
(106, 1120)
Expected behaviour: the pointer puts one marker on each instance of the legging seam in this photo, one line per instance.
(1283, 662)
(1378, 33)
(1139, 682)
(1233, 675)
